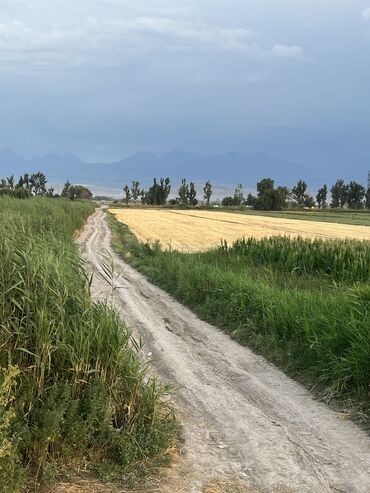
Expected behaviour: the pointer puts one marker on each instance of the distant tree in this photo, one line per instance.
(127, 194)
(309, 201)
(280, 198)
(66, 190)
(339, 194)
(299, 192)
(239, 195)
(10, 182)
(135, 191)
(24, 182)
(50, 192)
(227, 201)
(192, 194)
(80, 192)
(38, 183)
(251, 200)
(265, 192)
(2, 183)
(367, 199)
(207, 192)
(321, 197)
(270, 198)
(183, 192)
(164, 190)
(356, 194)
(158, 193)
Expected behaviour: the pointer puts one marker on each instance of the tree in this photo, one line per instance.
(321, 197)
(24, 182)
(192, 194)
(127, 194)
(309, 201)
(280, 197)
(183, 192)
(339, 194)
(10, 182)
(251, 200)
(356, 194)
(207, 192)
(66, 190)
(158, 193)
(135, 190)
(270, 198)
(80, 192)
(227, 201)
(367, 199)
(239, 195)
(299, 192)
(265, 189)
(38, 183)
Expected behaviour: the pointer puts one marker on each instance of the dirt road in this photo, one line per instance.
(243, 418)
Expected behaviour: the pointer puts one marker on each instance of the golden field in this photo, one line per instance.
(192, 230)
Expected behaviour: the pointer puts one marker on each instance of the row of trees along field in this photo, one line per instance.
(159, 192)
(352, 195)
(34, 185)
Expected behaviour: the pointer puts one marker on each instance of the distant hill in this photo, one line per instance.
(222, 169)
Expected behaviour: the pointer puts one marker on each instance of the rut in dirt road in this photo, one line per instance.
(243, 418)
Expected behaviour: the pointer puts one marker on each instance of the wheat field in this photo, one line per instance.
(192, 230)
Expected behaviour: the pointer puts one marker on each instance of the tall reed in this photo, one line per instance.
(71, 385)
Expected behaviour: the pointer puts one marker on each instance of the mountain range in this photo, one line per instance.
(224, 170)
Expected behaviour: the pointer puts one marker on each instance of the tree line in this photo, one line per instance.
(160, 190)
(269, 197)
(35, 185)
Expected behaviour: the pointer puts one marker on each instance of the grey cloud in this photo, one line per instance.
(82, 43)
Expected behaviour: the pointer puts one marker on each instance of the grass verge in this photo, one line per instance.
(313, 326)
(73, 392)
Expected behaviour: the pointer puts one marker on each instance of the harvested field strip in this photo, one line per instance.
(192, 231)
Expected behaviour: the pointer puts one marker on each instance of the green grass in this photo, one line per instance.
(339, 216)
(312, 319)
(72, 389)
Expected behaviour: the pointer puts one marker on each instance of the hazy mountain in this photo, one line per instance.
(223, 169)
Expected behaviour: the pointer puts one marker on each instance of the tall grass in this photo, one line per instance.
(71, 386)
(341, 261)
(317, 331)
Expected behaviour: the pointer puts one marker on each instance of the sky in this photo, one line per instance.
(105, 78)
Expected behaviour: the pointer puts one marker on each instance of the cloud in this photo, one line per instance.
(366, 14)
(112, 41)
(284, 51)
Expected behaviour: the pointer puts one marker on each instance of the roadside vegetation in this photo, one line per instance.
(304, 304)
(73, 393)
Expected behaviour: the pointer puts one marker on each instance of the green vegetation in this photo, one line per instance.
(72, 389)
(339, 216)
(305, 305)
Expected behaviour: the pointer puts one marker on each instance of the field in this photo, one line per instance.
(339, 216)
(301, 302)
(73, 392)
(196, 230)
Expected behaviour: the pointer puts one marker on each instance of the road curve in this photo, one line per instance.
(243, 418)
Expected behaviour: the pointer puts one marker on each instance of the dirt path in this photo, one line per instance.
(243, 418)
